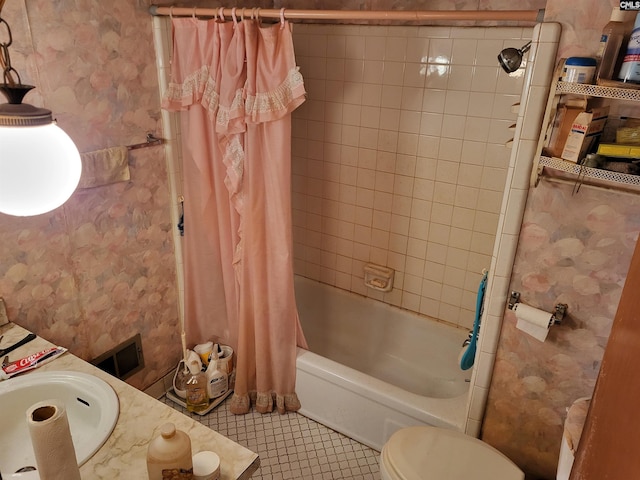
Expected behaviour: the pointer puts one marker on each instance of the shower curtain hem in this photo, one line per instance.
(264, 402)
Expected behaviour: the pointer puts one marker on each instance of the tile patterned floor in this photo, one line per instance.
(292, 446)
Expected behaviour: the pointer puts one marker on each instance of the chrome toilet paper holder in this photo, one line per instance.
(558, 314)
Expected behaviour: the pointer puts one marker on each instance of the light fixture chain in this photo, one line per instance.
(5, 58)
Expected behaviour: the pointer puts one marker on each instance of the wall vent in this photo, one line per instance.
(124, 360)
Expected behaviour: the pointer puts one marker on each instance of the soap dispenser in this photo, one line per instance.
(169, 453)
(196, 388)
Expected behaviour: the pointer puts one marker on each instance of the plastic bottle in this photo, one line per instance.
(630, 69)
(169, 451)
(197, 397)
(217, 381)
(610, 44)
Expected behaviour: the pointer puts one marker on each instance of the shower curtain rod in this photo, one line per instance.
(393, 15)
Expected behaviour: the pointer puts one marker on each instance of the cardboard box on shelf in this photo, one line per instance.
(618, 150)
(628, 135)
(585, 130)
(562, 122)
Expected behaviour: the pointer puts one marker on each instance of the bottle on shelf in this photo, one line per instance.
(630, 69)
(610, 45)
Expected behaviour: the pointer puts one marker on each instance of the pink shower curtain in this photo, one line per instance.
(236, 84)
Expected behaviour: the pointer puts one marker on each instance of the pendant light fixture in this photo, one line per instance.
(39, 164)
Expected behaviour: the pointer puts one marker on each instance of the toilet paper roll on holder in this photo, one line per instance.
(557, 316)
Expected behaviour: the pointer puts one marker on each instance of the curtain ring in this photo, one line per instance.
(282, 17)
(221, 14)
(242, 15)
(194, 13)
(258, 14)
(233, 15)
(171, 12)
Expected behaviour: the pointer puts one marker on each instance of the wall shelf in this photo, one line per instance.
(558, 168)
(602, 91)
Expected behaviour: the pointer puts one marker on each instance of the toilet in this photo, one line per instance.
(430, 453)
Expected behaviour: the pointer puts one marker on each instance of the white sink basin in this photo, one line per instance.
(92, 410)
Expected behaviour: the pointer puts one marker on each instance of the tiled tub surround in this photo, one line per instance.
(410, 171)
(400, 156)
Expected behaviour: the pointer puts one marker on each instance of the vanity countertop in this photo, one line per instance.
(124, 453)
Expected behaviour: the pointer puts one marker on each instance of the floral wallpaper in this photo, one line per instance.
(101, 268)
(573, 249)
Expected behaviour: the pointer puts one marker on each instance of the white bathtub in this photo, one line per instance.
(373, 368)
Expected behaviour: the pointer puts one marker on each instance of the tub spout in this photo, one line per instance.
(467, 341)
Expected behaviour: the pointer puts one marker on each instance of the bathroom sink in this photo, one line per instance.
(92, 410)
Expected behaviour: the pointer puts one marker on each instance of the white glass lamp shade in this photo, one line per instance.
(39, 169)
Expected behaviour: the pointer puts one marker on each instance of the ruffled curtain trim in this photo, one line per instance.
(264, 402)
(191, 90)
(258, 108)
(267, 106)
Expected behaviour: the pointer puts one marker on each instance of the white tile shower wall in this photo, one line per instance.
(527, 145)
(400, 157)
(162, 38)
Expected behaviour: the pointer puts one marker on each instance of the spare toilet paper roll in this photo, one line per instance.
(533, 321)
(51, 440)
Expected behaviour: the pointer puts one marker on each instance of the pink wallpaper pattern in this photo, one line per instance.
(101, 268)
(573, 249)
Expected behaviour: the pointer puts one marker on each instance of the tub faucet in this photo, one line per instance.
(467, 340)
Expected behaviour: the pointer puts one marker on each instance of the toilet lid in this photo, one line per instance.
(420, 453)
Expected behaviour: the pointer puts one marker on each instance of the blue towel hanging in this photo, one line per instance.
(469, 355)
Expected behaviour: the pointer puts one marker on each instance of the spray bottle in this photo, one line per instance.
(217, 381)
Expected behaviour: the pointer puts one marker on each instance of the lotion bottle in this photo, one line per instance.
(630, 69)
(169, 451)
(610, 44)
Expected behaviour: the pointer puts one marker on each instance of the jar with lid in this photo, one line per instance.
(170, 453)
(579, 69)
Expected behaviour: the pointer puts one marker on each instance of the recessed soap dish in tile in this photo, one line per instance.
(378, 277)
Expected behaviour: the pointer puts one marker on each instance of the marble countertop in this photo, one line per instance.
(124, 454)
